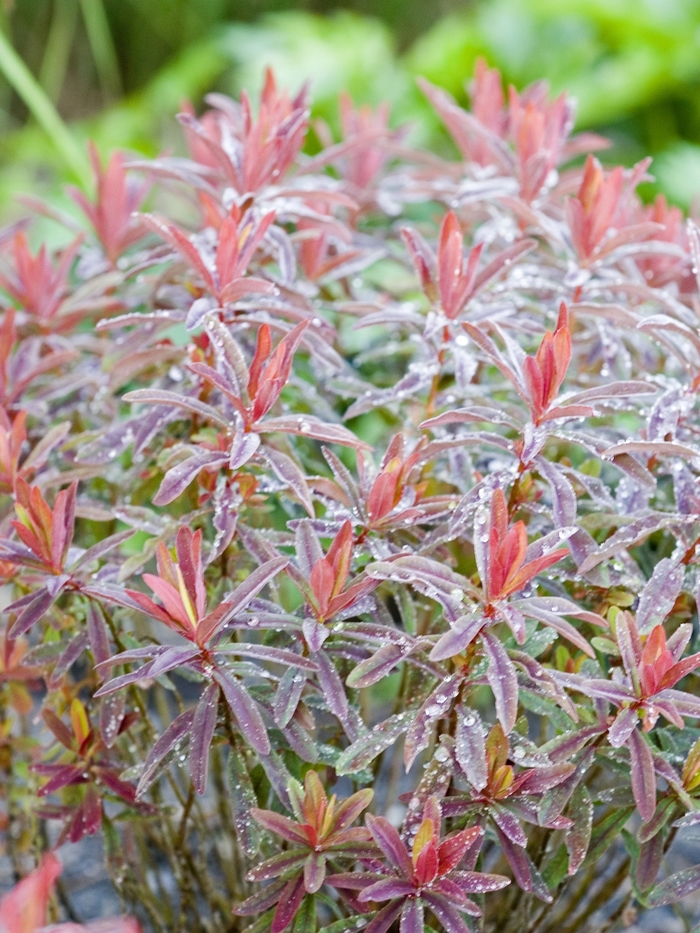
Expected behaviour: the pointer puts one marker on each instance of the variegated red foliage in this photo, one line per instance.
(368, 480)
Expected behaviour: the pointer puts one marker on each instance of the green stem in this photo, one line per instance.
(46, 115)
(103, 52)
(58, 47)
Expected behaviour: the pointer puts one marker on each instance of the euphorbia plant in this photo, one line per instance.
(350, 517)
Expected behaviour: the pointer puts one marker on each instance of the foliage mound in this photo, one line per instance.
(349, 535)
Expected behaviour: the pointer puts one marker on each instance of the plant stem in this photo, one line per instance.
(102, 46)
(44, 112)
(59, 44)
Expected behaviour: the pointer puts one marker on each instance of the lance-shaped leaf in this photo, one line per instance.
(179, 477)
(245, 711)
(436, 706)
(578, 837)
(659, 595)
(170, 742)
(503, 681)
(470, 747)
(643, 778)
(675, 887)
(365, 749)
(203, 726)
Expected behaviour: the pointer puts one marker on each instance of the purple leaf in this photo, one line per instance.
(365, 749)
(280, 825)
(459, 637)
(685, 704)
(288, 904)
(626, 537)
(332, 687)
(234, 603)
(470, 747)
(662, 815)
(32, 608)
(408, 386)
(659, 595)
(387, 889)
(68, 657)
(314, 873)
(508, 824)
(245, 712)
(473, 414)
(179, 477)
(375, 668)
(389, 841)
(382, 921)
(315, 634)
(243, 446)
(434, 782)
(563, 496)
(675, 887)
(289, 691)
(170, 658)
(653, 449)
(101, 548)
(525, 873)
(203, 726)
(175, 400)
(112, 710)
(309, 426)
(542, 779)
(630, 646)
(278, 776)
(446, 913)
(625, 723)
(97, 633)
(502, 680)
(651, 854)
(62, 776)
(554, 801)
(477, 882)
(428, 576)
(169, 742)
(436, 707)
(597, 688)
(267, 653)
(632, 387)
(289, 472)
(412, 917)
(643, 778)
(261, 900)
(307, 546)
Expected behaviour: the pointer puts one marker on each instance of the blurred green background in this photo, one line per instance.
(118, 70)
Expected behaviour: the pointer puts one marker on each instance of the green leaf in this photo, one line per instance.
(349, 925)
(578, 838)
(242, 799)
(305, 919)
(545, 707)
(606, 830)
(554, 871)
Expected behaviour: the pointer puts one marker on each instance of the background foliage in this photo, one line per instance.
(116, 70)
